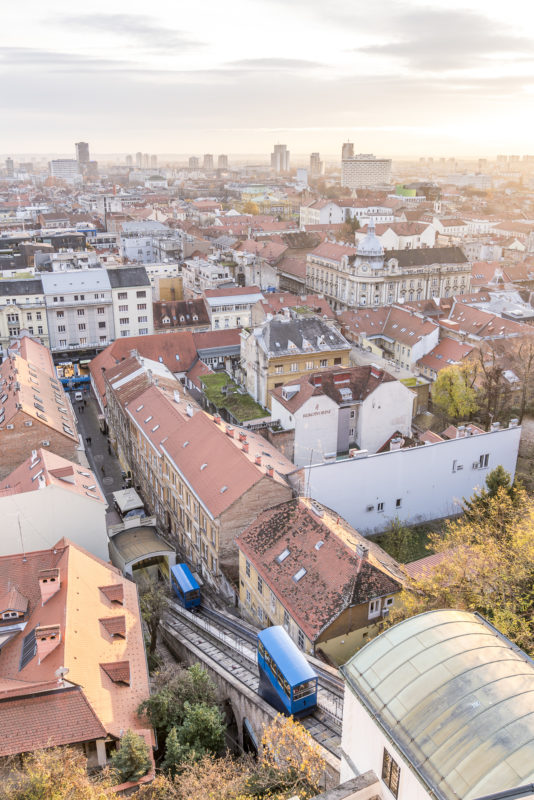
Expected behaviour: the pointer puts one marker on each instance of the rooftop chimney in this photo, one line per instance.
(47, 637)
(270, 471)
(49, 583)
(257, 460)
(176, 396)
(245, 446)
(230, 431)
(376, 372)
(513, 423)
(396, 443)
(217, 419)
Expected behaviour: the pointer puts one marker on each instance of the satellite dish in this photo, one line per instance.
(61, 672)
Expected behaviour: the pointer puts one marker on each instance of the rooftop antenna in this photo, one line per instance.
(60, 675)
(21, 540)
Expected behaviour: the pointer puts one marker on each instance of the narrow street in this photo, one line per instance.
(105, 465)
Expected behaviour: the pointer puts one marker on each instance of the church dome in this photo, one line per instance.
(370, 246)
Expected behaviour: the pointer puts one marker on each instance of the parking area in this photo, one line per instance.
(100, 456)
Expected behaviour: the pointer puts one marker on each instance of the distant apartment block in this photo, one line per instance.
(361, 171)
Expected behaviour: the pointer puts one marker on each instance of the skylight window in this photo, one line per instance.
(319, 545)
(29, 648)
(299, 575)
(155, 428)
(185, 444)
(203, 466)
(224, 489)
(34, 477)
(140, 408)
(282, 557)
(148, 418)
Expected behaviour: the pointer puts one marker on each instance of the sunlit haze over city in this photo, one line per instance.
(400, 79)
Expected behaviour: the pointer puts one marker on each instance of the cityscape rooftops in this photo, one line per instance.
(44, 468)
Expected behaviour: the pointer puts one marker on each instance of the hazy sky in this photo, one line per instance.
(397, 78)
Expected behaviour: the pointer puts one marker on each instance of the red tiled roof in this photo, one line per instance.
(418, 569)
(232, 290)
(335, 577)
(52, 719)
(333, 252)
(118, 671)
(115, 626)
(448, 351)
(114, 593)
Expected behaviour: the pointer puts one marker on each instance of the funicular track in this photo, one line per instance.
(232, 645)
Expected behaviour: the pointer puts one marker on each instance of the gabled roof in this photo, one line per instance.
(394, 322)
(448, 351)
(49, 469)
(42, 719)
(334, 579)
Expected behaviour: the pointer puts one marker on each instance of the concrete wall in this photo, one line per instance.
(363, 742)
(414, 484)
(388, 409)
(47, 514)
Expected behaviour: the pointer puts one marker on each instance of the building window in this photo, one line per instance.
(142, 319)
(380, 506)
(83, 340)
(38, 315)
(337, 361)
(323, 362)
(39, 329)
(62, 342)
(125, 332)
(309, 364)
(123, 308)
(294, 367)
(143, 331)
(124, 320)
(390, 773)
(81, 312)
(81, 326)
(279, 368)
(122, 295)
(61, 328)
(260, 585)
(286, 620)
(98, 311)
(398, 502)
(248, 597)
(300, 639)
(273, 602)
(374, 609)
(101, 324)
(247, 568)
(483, 460)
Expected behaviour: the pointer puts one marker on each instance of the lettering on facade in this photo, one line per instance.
(318, 413)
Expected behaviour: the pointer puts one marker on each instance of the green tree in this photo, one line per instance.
(350, 226)
(132, 759)
(202, 730)
(174, 687)
(174, 754)
(400, 542)
(453, 392)
(488, 566)
(154, 601)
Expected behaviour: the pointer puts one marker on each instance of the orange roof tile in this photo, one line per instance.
(118, 671)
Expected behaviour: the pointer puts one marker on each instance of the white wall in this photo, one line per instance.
(48, 514)
(315, 425)
(364, 741)
(427, 480)
(388, 409)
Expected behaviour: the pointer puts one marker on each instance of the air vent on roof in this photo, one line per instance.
(140, 408)
(203, 466)
(148, 418)
(155, 428)
(185, 444)
(300, 574)
(319, 545)
(224, 489)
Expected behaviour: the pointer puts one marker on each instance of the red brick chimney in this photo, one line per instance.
(48, 637)
(49, 583)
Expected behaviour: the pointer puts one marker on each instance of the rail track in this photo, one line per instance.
(232, 644)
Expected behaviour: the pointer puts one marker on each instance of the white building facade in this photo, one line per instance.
(79, 309)
(360, 171)
(412, 484)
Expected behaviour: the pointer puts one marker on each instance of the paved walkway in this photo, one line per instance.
(104, 464)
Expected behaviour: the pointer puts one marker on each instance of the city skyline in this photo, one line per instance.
(398, 78)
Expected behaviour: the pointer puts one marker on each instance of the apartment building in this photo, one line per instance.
(399, 335)
(131, 293)
(364, 170)
(370, 276)
(63, 608)
(22, 307)
(288, 345)
(275, 302)
(231, 307)
(204, 482)
(333, 411)
(34, 409)
(198, 274)
(303, 567)
(79, 309)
